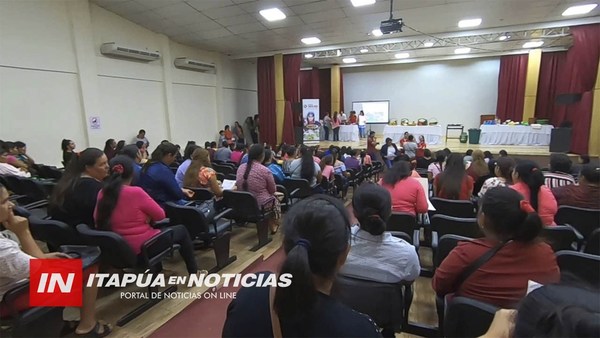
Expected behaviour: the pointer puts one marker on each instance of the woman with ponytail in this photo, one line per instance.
(528, 180)
(495, 269)
(317, 231)
(375, 254)
(305, 167)
(257, 179)
(129, 211)
(74, 196)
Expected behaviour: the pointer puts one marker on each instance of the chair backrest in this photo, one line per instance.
(50, 172)
(445, 245)
(403, 235)
(297, 187)
(115, 251)
(584, 267)
(33, 190)
(464, 209)
(583, 220)
(191, 217)
(446, 225)
(403, 222)
(559, 237)
(244, 205)
(592, 246)
(383, 302)
(201, 194)
(467, 317)
(223, 169)
(13, 183)
(53, 233)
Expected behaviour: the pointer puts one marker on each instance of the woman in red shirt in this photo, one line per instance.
(421, 146)
(453, 183)
(528, 180)
(407, 193)
(511, 226)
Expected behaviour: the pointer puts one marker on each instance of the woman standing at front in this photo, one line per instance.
(362, 124)
(335, 124)
(327, 125)
(258, 180)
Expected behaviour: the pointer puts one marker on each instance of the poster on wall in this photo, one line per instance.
(94, 122)
(310, 115)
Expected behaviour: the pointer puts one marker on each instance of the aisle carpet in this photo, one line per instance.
(205, 317)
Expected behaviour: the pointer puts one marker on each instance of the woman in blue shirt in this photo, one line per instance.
(158, 180)
(274, 167)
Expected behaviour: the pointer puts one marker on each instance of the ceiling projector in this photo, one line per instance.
(391, 26)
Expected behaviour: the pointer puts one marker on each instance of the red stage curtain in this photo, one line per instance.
(325, 91)
(288, 125)
(568, 73)
(315, 88)
(511, 87)
(342, 90)
(291, 75)
(266, 99)
(305, 84)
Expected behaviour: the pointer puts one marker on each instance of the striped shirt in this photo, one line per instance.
(558, 179)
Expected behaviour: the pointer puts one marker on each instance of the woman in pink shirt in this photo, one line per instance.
(407, 193)
(129, 211)
(528, 179)
(237, 154)
(327, 170)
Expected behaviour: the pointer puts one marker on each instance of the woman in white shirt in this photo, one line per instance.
(503, 170)
(437, 166)
(375, 254)
(362, 124)
(305, 167)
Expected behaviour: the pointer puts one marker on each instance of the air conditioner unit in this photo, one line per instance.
(111, 48)
(199, 66)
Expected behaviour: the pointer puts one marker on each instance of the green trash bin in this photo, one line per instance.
(463, 137)
(474, 135)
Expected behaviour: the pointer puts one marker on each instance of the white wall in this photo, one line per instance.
(456, 91)
(53, 79)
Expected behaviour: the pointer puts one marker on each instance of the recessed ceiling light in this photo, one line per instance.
(469, 23)
(533, 44)
(358, 3)
(402, 55)
(272, 14)
(364, 50)
(463, 50)
(311, 40)
(308, 56)
(349, 60)
(376, 32)
(428, 44)
(503, 37)
(579, 10)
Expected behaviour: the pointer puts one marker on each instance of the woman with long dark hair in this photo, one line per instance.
(275, 168)
(503, 170)
(200, 173)
(528, 180)
(453, 183)
(157, 178)
(327, 170)
(515, 256)
(407, 193)
(317, 232)
(68, 148)
(120, 146)
(183, 167)
(129, 211)
(305, 167)
(238, 131)
(437, 165)
(335, 125)
(375, 254)
(110, 148)
(74, 197)
(257, 179)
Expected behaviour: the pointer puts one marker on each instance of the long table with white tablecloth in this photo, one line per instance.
(432, 134)
(349, 133)
(515, 135)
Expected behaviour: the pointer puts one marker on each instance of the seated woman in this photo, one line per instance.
(74, 197)
(200, 173)
(258, 180)
(317, 231)
(237, 153)
(327, 170)
(375, 254)
(129, 211)
(453, 183)
(159, 181)
(478, 167)
(110, 148)
(407, 193)
(515, 256)
(436, 166)
(68, 148)
(421, 146)
(503, 170)
(528, 180)
(338, 166)
(305, 167)
(14, 267)
(187, 160)
(273, 167)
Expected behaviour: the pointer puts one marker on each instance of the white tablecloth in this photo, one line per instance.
(348, 133)
(432, 134)
(515, 135)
